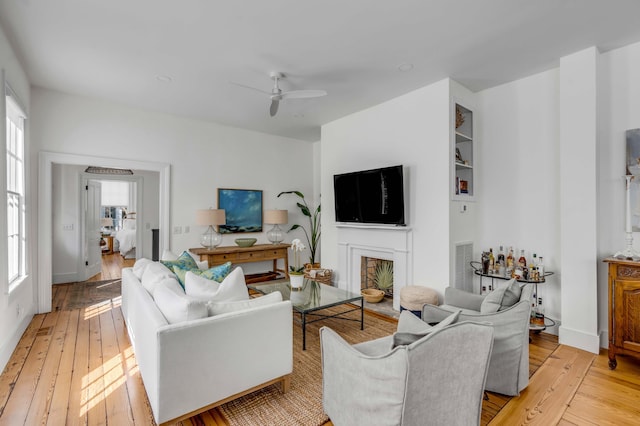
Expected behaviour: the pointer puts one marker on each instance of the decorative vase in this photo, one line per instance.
(298, 296)
(297, 280)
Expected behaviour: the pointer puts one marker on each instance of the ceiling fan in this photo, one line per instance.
(276, 95)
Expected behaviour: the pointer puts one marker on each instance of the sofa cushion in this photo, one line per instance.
(217, 308)
(410, 323)
(153, 274)
(232, 288)
(178, 307)
(407, 338)
(502, 297)
(140, 266)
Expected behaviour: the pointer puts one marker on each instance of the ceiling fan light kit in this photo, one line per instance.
(276, 95)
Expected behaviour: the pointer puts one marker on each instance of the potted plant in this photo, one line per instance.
(296, 272)
(313, 236)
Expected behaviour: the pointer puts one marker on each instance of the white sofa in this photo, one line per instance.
(194, 365)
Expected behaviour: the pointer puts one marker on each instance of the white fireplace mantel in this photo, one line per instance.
(383, 242)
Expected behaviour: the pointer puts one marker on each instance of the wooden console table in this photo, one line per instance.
(256, 253)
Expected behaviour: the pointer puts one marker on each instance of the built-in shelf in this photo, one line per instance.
(462, 153)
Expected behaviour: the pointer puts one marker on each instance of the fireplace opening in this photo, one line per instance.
(377, 273)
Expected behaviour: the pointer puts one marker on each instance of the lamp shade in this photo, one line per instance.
(106, 221)
(276, 217)
(210, 217)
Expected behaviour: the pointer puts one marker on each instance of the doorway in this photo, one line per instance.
(44, 238)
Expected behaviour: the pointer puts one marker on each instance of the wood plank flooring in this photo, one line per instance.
(77, 367)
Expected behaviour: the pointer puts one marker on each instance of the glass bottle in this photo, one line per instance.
(539, 314)
(501, 260)
(510, 258)
(540, 268)
(492, 262)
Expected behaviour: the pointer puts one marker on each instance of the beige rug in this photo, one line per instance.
(302, 405)
(90, 293)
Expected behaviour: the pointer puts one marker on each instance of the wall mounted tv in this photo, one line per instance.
(370, 196)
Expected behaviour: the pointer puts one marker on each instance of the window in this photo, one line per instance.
(16, 249)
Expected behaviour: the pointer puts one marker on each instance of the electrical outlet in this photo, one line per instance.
(187, 229)
(68, 227)
(177, 229)
(147, 225)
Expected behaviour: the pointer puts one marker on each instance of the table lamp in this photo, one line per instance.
(210, 217)
(106, 222)
(275, 218)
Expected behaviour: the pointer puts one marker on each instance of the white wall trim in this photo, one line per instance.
(10, 345)
(579, 339)
(45, 208)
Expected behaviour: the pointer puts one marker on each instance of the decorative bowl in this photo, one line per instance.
(372, 295)
(245, 242)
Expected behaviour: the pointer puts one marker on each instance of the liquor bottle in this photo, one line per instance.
(492, 261)
(539, 311)
(501, 260)
(540, 269)
(510, 258)
(522, 262)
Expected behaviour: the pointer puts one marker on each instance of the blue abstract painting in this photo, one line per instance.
(243, 210)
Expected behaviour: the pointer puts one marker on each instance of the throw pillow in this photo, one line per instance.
(232, 288)
(169, 255)
(511, 294)
(217, 273)
(140, 266)
(217, 308)
(410, 323)
(407, 338)
(184, 261)
(494, 300)
(178, 308)
(153, 274)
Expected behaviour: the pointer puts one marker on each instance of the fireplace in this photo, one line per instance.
(390, 243)
(376, 273)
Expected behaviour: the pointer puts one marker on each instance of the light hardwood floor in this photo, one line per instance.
(76, 366)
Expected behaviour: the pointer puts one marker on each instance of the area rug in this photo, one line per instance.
(90, 293)
(302, 405)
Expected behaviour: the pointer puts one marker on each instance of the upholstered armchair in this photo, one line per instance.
(436, 380)
(509, 368)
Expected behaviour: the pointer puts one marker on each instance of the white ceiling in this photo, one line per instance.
(117, 49)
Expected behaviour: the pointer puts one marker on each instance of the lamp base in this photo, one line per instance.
(628, 253)
(210, 239)
(275, 235)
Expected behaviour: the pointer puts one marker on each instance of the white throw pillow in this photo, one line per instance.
(153, 274)
(140, 266)
(408, 337)
(169, 255)
(170, 283)
(501, 297)
(410, 323)
(217, 308)
(232, 288)
(178, 308)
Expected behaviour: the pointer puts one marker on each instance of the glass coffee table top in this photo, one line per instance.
(314, 296)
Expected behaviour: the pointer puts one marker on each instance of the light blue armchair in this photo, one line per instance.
(436, 380)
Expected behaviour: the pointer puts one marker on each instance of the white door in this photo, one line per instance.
(92, 235)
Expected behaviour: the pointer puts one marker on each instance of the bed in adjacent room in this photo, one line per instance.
(126, 238)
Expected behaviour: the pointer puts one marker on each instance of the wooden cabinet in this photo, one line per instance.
(462, 155)
(256, 253)
(624, 309)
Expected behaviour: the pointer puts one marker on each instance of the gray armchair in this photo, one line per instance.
(436, 380)
(509, 368)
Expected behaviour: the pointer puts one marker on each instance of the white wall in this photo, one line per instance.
(203, 156)
(412, 130)
(67, 249)
(518, 174)
(18, 307)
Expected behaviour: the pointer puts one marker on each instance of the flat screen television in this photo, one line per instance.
(370, 196)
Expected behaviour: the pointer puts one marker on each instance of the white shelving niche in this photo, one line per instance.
(462, 153)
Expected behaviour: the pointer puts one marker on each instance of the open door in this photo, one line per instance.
(92, 252)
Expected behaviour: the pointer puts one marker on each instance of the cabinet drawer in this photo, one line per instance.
(222, 258)
(252, 255)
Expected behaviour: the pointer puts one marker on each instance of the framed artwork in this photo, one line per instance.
(243, 210)
(633, 168)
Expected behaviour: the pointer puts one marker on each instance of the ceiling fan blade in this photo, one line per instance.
(273, 110)
(249, 87)
(299, 94)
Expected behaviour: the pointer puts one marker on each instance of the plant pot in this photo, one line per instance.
(297, 280)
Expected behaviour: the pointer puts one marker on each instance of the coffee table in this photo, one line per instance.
(313, 297)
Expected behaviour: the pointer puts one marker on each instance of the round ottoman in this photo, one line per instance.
(414, 297)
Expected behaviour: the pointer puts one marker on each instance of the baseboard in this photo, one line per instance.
(604, 339)
(10, 345)
(579, 339)
(70, 277)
